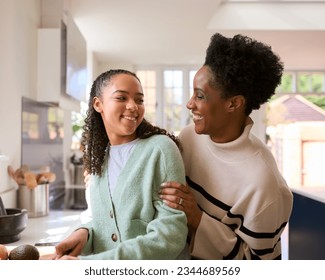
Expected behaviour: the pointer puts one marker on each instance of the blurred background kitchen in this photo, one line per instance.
(51, 50)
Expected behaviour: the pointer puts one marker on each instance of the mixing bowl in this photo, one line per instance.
(12, 224)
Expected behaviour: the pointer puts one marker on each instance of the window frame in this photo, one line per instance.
(160, 101)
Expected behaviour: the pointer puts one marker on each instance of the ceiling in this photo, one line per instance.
(164, 32)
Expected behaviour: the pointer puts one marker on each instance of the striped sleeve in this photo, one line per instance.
(232, 237)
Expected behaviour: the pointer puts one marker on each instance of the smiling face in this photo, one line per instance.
(212, 114)
(121, 106)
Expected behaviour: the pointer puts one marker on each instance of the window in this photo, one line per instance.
(173, 99)
(41, 122)
(302, 83)
(191, 76)
(30, 126)
(167, 91)
(55, 121)
(295, 128)
(149, 84)
(287, 83)
(310, 82)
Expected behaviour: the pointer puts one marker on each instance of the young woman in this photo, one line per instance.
(128, 159)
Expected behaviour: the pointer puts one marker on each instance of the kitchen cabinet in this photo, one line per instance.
(306, 225)
(50, 83)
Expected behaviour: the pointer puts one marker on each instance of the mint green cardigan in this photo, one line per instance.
(132, 222)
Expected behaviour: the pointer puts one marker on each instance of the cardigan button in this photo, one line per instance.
(114, 237)
(111, 214)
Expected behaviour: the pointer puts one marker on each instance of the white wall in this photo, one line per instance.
(19, 24)
(18, 52)
(103, 67)
(19, 21)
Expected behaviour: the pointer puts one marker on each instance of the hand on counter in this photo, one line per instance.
(72, 246)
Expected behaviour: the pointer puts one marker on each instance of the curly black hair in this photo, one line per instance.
(95, 141)
(243, 66)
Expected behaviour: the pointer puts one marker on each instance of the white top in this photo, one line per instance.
(118, 156)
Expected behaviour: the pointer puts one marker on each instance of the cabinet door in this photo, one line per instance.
(49, 62)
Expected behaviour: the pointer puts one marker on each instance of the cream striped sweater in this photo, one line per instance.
(246, 202)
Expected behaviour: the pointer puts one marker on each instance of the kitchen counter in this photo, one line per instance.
(315, 193)
(48, 229)
(306, 226)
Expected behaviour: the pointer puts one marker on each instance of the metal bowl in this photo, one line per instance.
(12, 224)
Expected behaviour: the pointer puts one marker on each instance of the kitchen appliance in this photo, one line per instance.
(35, 200)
